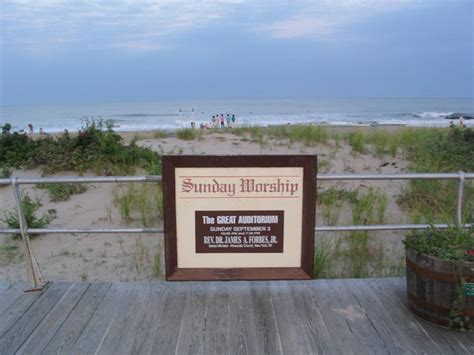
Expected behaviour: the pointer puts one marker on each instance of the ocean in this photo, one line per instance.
(142, 116)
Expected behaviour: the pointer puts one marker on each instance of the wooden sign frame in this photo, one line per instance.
(305, 269)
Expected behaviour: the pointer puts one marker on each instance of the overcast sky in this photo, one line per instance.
(73, 51)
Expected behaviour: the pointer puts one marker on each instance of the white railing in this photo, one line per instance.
(35, 278)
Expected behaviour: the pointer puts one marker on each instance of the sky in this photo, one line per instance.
(78, 51)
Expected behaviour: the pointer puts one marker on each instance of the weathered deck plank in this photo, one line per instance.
(323, 316)
(289, 327)
(10, 295)
(5, 285)
(263, 311)
(242, 328)
(457, 342)
(70, 331)
(124, 339)
(113, 306)
(318, 336)
(13, 305)
(146, 332)
(22, 329)
(52, 322)
(398, 312)
(356, 318)
(193, 325)
(389, 326)
(166, 335)
(217, 334)
(322, 297)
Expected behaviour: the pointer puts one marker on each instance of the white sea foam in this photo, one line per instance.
(175, 115)
(432, 114)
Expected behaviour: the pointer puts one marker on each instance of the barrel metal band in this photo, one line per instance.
(435, 320)
(434, 275)
(436, 307)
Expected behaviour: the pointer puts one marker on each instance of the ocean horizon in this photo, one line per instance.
(169, 115)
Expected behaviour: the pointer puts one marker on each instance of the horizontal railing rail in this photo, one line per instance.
(36, 281)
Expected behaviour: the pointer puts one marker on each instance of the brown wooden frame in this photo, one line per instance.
(304, 272)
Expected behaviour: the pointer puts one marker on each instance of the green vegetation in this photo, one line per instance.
(355, 255)
(322, 259)
(62, 192)
(187, 134)
(97, 147)
(357, 140)
(432, 201)
(367, 209)
(145, 260)
(157, 271)
(160, 134)
(437, 150)
(307, 134)
(451, 244)
(10, 251)
(143, 202)
(331, 201)
(5, 172)
(457, 246)
(30, 209)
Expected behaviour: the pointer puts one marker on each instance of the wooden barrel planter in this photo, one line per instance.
(432, 287)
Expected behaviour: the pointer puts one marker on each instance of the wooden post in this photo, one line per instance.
(35, 279)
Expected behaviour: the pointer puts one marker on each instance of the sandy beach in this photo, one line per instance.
(131, 257)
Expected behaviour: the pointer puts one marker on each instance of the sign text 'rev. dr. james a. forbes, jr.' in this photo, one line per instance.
(239, 217)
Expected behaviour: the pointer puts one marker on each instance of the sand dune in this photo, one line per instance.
(130, 257)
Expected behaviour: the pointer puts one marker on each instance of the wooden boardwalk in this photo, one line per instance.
(301, 317)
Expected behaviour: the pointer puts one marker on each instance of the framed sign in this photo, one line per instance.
(239, 217)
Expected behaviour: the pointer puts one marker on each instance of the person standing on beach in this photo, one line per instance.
(228, 120)
(30, 129)
(233, 119)
(222, 120)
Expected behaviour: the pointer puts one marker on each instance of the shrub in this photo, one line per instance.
(30, 209)
(5, 172)
(97, 147)
(62, 192)
(451, 244)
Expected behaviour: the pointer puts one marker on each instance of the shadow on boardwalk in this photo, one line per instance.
(323, 316)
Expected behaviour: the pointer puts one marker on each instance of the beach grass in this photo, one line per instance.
(161, 134)
(10, 251)
(427, 150)
(323, 253)
(187, 134)
(157, 268)
(139, 202)
(62, 192)
(307, 134)
(355, 254)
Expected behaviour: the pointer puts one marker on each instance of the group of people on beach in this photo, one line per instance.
(217, 121)
(461, 122)
(30, 129)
